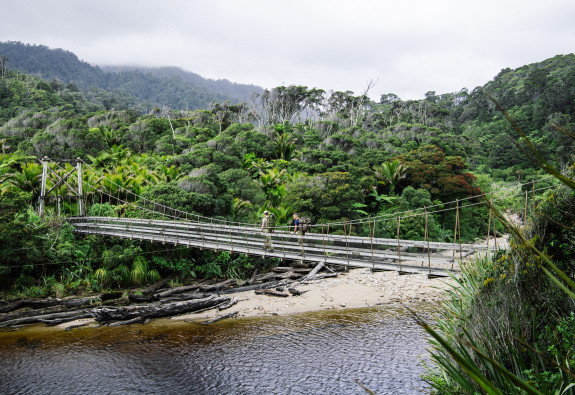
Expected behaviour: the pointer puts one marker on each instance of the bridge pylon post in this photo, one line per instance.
(81, 207)
(43, 186)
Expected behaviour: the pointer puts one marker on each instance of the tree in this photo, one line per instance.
(28, 179)
(443, 176)
(3, 63)
(326, 196)
(390, 173)
(284, 104)
(284, 146)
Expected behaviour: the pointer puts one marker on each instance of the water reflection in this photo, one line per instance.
(312, 353)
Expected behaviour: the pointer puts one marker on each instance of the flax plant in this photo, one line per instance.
(481, 343)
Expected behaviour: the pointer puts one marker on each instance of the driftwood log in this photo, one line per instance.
(218, 286)
(314, 271)
(176, 290)
(105, 315)
(44, 303)
(229, 315)
(271, 292)
(157, 285)
(185, 296)
(228, 305)
(295, 292)
(143, 298)
(317, 277)
(63, 317)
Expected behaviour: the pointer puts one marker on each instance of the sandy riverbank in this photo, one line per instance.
(357, 288)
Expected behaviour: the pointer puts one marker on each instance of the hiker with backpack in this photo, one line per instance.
(298, 228)
(267, 228)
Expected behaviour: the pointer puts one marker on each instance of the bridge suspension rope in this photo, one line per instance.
(145, 219)
(177, 214)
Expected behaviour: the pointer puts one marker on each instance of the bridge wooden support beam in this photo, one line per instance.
(347, 251)
(61, 180)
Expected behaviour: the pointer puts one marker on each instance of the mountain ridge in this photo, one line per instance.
(173, 86)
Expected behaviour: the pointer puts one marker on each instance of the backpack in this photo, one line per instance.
(271, 222)
(305, 224)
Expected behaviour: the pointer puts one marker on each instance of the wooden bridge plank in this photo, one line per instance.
(249, 240)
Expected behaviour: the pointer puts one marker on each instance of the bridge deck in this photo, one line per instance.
(431, 258)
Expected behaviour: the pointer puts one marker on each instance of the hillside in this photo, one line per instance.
(240, 92)
(168, 86)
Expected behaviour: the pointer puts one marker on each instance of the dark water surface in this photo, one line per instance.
(311, 353)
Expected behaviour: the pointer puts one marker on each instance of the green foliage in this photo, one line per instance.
(325, 197)
(530, 293)
(21, 233)
(183, 267)
(413, 222)
(388, 174)
(443, 176)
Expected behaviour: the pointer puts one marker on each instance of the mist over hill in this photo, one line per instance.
(164, 86)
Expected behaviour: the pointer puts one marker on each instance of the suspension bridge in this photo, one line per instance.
(334, 243)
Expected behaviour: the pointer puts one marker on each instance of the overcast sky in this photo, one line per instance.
(406, 47)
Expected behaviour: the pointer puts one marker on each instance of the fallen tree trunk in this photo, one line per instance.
(44, 303)
(250, 287)
(271, 292)
(314, 271)
(295, 292)
(317, 277)
(143, 298)
(70, 303)
(105, 315)
(176, 290)
(229, 304)
(71, 315)
(289, 276)
(184, 296)
(157, 285)
(253, 277)
(286, 269)
(229, 315)
(217, 287)
(32, 313)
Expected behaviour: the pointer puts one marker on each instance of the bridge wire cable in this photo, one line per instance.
(387, 217)
(358, 221)
(412, 212)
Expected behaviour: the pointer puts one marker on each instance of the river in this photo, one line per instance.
(327, 352)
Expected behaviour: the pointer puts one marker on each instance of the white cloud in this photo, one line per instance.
(408, 47)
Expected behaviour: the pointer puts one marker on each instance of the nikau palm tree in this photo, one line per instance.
(390, 173)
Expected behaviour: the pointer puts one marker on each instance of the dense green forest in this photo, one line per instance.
(331, 156)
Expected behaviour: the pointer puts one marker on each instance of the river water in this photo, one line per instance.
(328, 352)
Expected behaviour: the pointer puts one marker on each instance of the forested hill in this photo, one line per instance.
(331, 131)
(168, 86)
(240, 92)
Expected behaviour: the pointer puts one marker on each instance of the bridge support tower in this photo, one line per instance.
(61, 180)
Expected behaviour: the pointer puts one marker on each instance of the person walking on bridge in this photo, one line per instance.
(267, 232)
(297, 229)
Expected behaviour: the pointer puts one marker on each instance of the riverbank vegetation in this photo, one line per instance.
(333, 157)
(508, 326)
